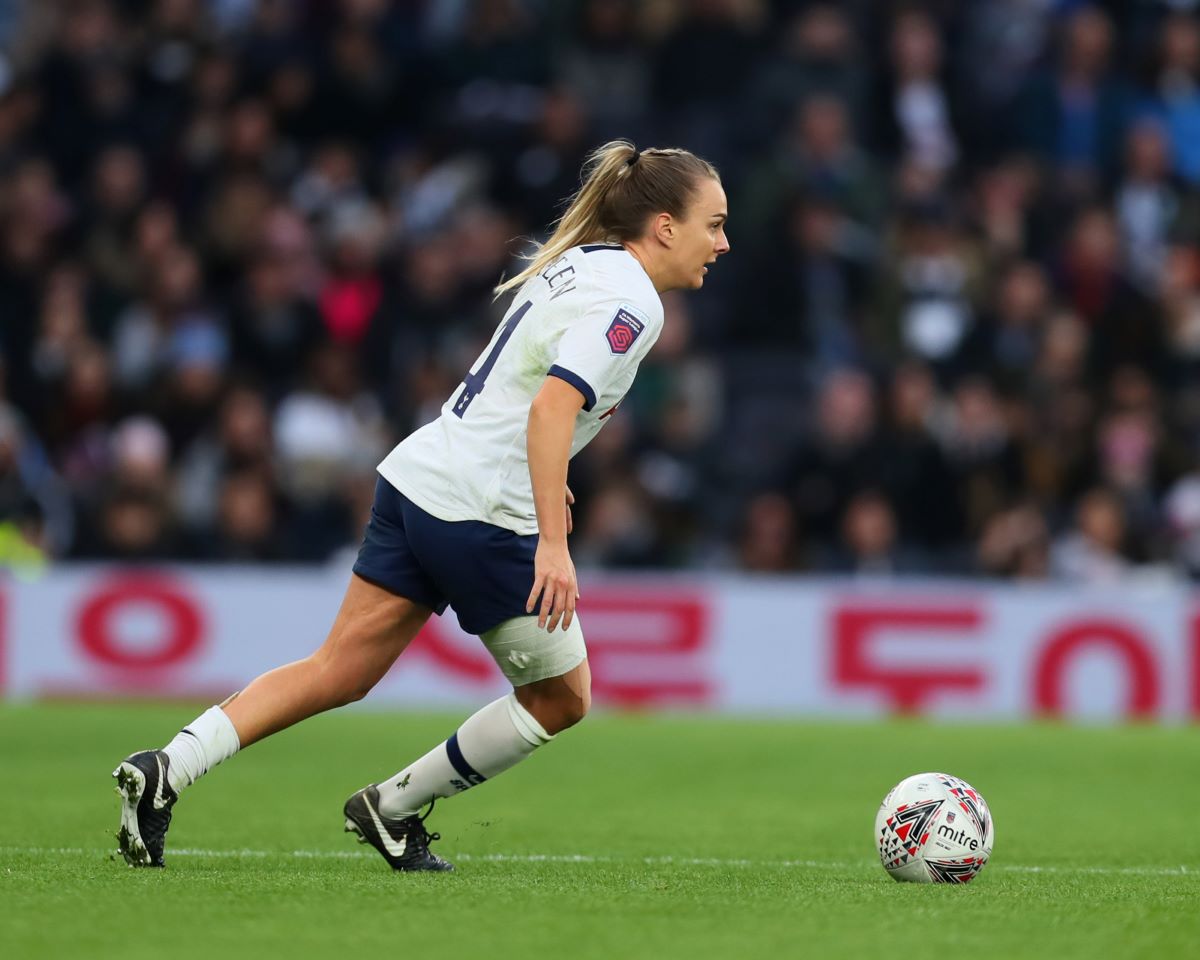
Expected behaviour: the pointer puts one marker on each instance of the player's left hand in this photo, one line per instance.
(570, 500)
(555, 583)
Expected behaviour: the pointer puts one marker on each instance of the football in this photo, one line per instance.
(934, 828)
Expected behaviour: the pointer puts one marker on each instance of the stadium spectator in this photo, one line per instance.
(247, 523)
(920, 115)
(869, 544)
(20, 511)
(817, 52)
(981, 453)
(1093, 550)
(1149, 205)
(1015, 544)
(770, 537)
(915, 473)
(604, 66)
(1010, 332)
(1175, 94)
(929, 291)
(842, 456)
(1072, 114)
(1182, 508)
(241, 440)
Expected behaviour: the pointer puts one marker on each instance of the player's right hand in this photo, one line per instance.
(554, 581)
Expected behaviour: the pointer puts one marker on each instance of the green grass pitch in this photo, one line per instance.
(630, 836)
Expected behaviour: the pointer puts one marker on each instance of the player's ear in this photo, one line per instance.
(664, 228)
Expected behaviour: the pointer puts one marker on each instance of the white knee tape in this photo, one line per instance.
(527, 653)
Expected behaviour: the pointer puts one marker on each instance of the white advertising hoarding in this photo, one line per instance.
(727, 643)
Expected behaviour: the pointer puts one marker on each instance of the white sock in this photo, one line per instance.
(199, 747)
(499, 736)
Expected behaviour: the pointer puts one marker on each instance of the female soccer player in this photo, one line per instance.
(469, 512)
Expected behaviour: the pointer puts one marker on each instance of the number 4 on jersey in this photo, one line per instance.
(473, 382)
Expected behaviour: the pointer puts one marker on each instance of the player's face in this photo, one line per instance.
(701, 234)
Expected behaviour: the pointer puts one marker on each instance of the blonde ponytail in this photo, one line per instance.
(622, 188)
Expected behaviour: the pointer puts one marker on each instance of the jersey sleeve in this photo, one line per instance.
(601, 344)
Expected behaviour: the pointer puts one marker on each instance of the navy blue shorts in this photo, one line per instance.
(483, 571)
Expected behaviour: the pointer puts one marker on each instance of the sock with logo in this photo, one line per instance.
(499, 736)
(199, 747)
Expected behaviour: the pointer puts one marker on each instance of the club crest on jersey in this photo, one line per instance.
(623, 331)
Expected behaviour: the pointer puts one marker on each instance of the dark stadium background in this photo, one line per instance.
(247, 246)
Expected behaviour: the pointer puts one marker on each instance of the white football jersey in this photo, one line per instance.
(588, 318)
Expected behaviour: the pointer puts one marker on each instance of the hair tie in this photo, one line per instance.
(634, 159)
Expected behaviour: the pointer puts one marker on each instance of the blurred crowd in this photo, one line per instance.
(247, 245)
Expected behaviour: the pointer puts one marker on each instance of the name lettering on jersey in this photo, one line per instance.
(559, 277)
(623, 331)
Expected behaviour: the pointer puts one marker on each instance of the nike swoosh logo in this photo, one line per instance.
(159, 800)
(396, 849)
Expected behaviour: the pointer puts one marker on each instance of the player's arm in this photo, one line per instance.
(551, 427)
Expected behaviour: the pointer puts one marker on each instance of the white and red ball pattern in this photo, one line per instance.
(934, 828)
